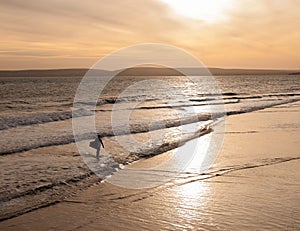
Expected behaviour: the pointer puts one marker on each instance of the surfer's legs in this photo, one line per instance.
(97, 153)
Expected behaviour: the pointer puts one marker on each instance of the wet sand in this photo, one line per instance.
(253, 185)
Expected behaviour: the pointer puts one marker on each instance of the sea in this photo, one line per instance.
(46, 124)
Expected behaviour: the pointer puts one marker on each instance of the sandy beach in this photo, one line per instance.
(253, 185)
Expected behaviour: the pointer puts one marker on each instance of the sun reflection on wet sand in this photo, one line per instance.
(191, 199)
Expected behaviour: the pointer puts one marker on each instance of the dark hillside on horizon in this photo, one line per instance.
(141, 71)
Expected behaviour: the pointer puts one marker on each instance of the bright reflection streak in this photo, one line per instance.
(191, 199)
(192, 192)
(196, 164)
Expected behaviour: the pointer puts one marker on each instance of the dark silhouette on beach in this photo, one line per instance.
(97, 145)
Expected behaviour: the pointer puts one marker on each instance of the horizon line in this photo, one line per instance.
(222, 68)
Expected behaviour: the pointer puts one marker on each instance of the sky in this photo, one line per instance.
(47, 34)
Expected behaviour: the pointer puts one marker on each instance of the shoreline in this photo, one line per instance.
(42, 193)
(232, 127)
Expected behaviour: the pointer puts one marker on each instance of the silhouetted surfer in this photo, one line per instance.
(97, 145)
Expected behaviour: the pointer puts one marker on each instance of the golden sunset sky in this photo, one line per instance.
(38, 34)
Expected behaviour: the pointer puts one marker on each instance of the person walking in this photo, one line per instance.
(99, 146)
(97, 143)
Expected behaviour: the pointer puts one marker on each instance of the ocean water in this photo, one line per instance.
(138, 117)
(42, 107)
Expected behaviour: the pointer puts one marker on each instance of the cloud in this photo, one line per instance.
(263, 34)
(53, 33)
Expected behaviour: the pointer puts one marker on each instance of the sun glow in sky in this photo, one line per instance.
(207, 10)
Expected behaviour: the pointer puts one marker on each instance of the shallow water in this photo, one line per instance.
(41, 107)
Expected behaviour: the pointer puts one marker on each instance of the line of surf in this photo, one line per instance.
(136, 128)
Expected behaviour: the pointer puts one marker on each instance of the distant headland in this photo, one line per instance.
(142, 71)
